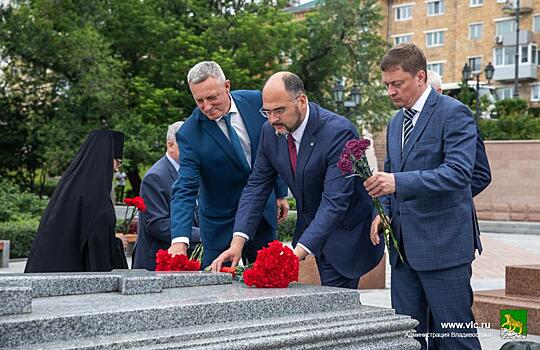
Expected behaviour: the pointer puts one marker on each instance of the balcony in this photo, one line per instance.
(506, 72)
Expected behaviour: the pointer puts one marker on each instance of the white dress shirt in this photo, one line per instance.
(238, 124)
(297, 134)
(418, 106)
(173, 162)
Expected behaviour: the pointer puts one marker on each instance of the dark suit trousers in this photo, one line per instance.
(331, 278)
(447, 294)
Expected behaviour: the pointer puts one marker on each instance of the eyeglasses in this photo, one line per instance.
(276, 111)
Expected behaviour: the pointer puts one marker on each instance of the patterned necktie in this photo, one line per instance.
(292, 152)
(235, 141)
(408, 115)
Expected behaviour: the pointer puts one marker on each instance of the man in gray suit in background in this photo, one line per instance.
(154, 230)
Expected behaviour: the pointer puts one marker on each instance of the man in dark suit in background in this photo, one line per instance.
(154, 229)
(481, 176)
(426, 191)
(218, 143)
(302, 142)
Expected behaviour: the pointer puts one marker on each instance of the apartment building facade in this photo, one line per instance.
(476, 32)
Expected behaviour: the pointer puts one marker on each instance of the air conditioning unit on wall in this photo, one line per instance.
(498, 39)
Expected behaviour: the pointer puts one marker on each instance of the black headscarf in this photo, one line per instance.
(77, 230)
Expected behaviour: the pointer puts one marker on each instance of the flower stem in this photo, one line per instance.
(387, 228)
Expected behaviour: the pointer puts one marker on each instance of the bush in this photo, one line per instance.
(20, 234)
(510, 127)
(17, 205)
(285, 230)
(292, 203)
(511, 106)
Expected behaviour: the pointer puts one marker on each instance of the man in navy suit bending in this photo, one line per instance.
(302, 142)
(217, 144)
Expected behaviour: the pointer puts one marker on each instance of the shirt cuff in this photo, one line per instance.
(305, 248)
(180, 240)
(241, 234)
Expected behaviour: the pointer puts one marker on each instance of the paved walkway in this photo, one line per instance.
(488, 273)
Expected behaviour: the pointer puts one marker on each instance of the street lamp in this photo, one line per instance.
(466, 72)
(338, 93)
(509, 8)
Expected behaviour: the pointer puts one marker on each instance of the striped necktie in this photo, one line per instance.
(408, 115)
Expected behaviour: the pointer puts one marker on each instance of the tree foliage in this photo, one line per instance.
(338, 41)
(72, 66)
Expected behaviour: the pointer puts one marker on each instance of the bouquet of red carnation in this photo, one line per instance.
(138, 203)
(353, 162)
(179, 262)
(276, 267)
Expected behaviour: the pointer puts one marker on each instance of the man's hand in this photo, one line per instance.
(234, 254)
(380, 184)
(282, 209)
(300, 253)
(178, 248)
(374, 233)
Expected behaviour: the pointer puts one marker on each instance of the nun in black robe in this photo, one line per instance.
(77, 230)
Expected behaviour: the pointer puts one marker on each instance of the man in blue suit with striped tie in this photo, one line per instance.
(218, 143)
(426, 191)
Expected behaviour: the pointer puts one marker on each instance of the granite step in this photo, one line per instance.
(366, 325)
(89, 315)
(357, 335)
(523, 280)
(488, 304)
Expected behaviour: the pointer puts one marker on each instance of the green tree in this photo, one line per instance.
(340, 39)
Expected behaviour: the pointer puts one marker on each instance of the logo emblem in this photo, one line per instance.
(513, 324)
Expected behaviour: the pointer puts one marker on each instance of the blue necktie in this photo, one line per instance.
(408, 115)
(235, 141)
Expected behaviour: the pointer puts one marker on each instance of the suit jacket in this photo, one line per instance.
(481, 178)
(211, 167)
(334, 212)
(431, 209)
(154, 229)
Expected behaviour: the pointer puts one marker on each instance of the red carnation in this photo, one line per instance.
(276, 267)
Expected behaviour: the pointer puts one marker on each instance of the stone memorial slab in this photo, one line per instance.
(215, 315)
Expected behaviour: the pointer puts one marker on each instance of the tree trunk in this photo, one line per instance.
(135, 181)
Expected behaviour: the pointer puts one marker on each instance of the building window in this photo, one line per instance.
(506, 55)
(435, 39)
(476, 31)
(505, 92)
(509, 55)
(524, 57)
(536, 23)
(403, 12)
(436, 67)
(398, 39)
(507, 26)
(435, 7)
(535, 92)
(474, 3)
(476, 64)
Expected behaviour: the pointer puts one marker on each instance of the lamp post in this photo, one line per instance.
(466, 72)
(338, 93)
(509, 8)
